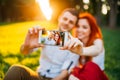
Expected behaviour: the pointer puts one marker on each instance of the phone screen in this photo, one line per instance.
(52, 37)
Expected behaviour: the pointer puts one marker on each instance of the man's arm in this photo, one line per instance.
(25, 50)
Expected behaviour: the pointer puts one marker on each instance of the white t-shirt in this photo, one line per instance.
(99, 60)
(53, 61)
(97, 51)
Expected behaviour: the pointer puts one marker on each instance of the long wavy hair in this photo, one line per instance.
(95, 29)
(57, 41)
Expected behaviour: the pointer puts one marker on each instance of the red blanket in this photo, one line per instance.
(90, 71)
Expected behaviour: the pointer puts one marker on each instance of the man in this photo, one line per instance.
(55, 64)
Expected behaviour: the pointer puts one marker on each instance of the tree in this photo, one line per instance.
(113, 13)
(96, 6)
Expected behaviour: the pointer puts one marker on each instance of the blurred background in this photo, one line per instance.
(16, 16)
(107, 12)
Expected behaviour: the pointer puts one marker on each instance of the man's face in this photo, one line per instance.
(66, 21)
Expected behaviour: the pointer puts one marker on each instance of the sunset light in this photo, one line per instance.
(45, 7)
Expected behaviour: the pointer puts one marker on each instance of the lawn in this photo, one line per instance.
(13, 35)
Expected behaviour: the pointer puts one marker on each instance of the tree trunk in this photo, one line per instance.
(113, 13)
(0, 14)
(98, 12)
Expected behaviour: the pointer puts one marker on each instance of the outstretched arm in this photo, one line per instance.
(94, 49)
(76, 46)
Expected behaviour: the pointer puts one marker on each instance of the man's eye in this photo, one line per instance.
(71, 22)
(65, 19)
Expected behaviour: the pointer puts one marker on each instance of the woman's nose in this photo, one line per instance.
(80, 29)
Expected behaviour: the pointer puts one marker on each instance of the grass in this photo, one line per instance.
(12, 36)
(112, 59)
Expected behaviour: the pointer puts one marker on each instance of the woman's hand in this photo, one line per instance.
(72, 77)
(74, 45)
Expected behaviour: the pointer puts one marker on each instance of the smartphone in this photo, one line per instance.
(53, 37)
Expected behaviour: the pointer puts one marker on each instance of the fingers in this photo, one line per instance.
(30, 30)
(78, 43)
(40, 45)
(35, 30)
(70, 36)
(72, 43)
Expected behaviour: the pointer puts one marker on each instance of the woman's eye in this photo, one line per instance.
(85, 27)
(71, 22)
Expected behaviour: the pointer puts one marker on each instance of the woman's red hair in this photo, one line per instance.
(95, 30)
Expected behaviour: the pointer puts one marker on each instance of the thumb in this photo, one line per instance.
(40, 45)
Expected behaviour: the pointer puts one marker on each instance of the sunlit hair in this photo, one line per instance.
(95, 29)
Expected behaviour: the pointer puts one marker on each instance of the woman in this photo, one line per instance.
(57, 38)
(88, 32)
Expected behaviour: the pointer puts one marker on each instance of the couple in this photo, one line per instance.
(57, 62)
(53, 38)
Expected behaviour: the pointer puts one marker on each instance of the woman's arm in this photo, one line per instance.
(94, 49)
(76, 46)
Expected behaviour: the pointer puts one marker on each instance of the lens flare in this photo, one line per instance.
(45, 7)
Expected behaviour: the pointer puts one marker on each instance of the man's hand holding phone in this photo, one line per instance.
(31, 40)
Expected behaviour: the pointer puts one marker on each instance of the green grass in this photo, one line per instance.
(112, 55)
(13, 35)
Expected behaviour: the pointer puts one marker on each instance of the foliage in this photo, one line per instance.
(12, 36)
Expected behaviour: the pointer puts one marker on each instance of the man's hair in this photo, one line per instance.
(73, 11)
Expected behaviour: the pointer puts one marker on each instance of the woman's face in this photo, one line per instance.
(83, 29)
(56, 37)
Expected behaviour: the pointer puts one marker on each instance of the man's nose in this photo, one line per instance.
(66, 22)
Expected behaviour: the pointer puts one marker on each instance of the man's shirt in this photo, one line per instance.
(53, 61)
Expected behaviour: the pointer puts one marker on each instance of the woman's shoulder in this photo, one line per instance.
(98, 41)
